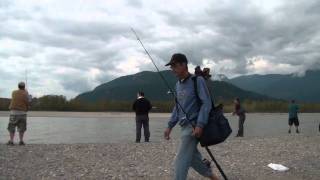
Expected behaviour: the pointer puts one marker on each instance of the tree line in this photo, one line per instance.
(60, 103)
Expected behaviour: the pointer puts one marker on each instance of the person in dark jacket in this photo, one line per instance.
(142, 106)
(240, 112)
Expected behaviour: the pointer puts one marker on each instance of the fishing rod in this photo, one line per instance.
(26, 78)
(164, 80)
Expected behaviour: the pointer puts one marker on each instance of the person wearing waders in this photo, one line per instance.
(293, 116)
(142, 106)
(191, 126)
(240, 112)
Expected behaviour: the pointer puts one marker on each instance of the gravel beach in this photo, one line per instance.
(243, 158)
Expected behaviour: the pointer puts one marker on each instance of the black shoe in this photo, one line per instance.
(137, 141)
(289, 131)
(21, 143)
(297, 131)
(10, 143)
(146, 141)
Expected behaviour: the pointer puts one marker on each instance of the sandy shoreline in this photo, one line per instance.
(245, 158)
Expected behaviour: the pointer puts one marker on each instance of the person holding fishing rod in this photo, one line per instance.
(203, 123)
(191, 126)
(19, 106)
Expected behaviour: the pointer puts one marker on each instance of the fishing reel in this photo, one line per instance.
(205, 73)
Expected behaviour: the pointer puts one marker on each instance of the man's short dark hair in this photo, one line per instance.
(21, 85)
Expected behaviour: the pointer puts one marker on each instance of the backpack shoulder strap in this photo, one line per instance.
(195, 85)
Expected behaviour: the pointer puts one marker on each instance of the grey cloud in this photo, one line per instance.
(65, 34)
(103, 31)
(75, 83)
(243, 31)
(290, 34)
(135, 3)
(5, 4)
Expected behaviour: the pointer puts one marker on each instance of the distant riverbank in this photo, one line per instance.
(83, 114)
(60, 103)
(103, 114)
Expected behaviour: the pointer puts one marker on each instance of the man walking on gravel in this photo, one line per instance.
(188, 153)
(19, 106)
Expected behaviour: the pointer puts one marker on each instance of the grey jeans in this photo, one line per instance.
(242, 118)
(189, 156)
(142, 121)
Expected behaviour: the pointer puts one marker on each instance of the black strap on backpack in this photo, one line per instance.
(206, 147)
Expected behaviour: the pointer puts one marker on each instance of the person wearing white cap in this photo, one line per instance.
(19, 106)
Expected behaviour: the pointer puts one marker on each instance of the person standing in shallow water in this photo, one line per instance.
(240, 112)
(19, 106)
(142, 106)
(293, 116)
(188, 153)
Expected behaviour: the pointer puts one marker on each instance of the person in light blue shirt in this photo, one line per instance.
(191, 116)
(293, 116)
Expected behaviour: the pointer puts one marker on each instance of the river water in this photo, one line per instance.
(120, 127)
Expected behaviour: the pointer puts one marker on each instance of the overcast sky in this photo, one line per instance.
(69, 47)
